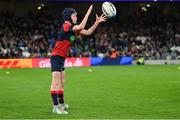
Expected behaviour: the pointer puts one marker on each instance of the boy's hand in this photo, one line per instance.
(83, 22)
(90, 9)
(100, 19)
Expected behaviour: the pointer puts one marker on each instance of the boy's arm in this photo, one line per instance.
(100, 19)
(83, 22)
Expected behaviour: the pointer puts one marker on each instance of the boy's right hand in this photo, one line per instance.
(83, 22)
(90, 9)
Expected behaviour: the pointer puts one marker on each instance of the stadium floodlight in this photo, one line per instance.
(144, 9)
(148, 5)
(39, 7)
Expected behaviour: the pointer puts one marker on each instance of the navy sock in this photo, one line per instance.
(54, 96)
(61, 98)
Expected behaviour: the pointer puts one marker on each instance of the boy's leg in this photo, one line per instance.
(61, 94)
(55, 91)
(55, 85)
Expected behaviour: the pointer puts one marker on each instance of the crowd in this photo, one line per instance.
(152, 36)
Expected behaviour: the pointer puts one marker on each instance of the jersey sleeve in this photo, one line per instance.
(67, 27)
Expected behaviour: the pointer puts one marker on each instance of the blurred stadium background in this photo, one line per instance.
(150, 30)
(141, 33)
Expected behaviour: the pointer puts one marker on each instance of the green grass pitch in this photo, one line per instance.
(109, 92)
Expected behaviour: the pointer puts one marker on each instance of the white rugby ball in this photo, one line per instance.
(109, 9)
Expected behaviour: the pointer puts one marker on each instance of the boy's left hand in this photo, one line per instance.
(100, 19)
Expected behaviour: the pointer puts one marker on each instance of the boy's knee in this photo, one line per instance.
(56, 84)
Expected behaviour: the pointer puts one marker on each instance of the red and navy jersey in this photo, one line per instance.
(66, 37)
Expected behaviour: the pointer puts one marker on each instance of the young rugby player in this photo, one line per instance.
(66, 36)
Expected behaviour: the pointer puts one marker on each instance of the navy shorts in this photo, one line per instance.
(57, 63)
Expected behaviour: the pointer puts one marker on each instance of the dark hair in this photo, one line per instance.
(66, 14)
